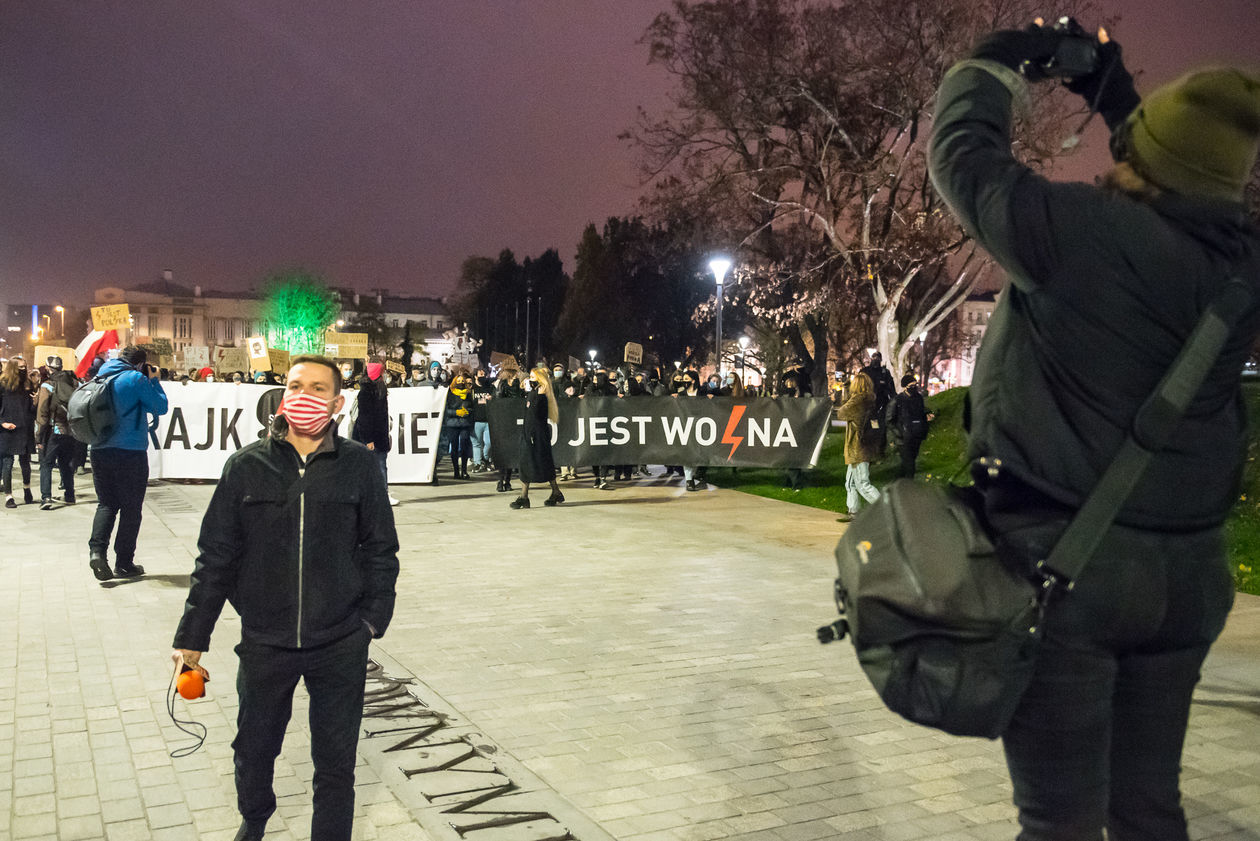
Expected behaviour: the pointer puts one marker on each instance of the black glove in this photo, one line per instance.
(1109, 89)
(1022, 50)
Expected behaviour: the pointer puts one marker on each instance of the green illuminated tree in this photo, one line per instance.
(298, 308)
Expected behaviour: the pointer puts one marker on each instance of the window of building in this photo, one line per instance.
(439, 324)
(210, 330)
(183, 327)
(229, 334)
(395, 322)
(153, 325)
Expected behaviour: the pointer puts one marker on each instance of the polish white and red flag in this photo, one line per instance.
(96, 343)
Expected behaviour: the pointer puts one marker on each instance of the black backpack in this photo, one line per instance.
(63, 388)
(90, 410)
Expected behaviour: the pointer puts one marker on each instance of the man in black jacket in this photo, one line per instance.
(299, 536)
(1106, 283)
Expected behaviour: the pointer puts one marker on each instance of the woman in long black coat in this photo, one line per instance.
(17, 429)
(537, 464)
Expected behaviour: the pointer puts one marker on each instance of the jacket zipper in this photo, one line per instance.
(301, 550)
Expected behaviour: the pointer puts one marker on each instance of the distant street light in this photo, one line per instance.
(591, 353)
(341, 322)
(744, 341)
(719, 266)
(62, 310)
(48, 326)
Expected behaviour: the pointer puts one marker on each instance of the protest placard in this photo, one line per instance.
(111, 317)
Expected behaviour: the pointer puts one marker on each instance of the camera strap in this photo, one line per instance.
(193, 728)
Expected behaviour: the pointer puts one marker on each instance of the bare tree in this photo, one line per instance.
(801, 125)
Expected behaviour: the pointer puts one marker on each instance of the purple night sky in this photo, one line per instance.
(376, 143)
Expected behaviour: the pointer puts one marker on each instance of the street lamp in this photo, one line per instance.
(341, 322)
(48, 326)
(62, 310)
(719, 266)
(591, 353)
(744, 341)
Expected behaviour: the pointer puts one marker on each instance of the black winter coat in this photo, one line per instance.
(537, 464)
(305, 553)
(482, 395)
(17, 408)
(371, 422)
(1104, 290)
(908, 415)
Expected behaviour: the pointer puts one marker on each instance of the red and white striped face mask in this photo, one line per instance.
(306, 413)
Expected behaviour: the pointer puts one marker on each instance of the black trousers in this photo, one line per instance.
(121, 478)
(59, 452)
(909, 448)
(6, 471)
(1097, 740)
(334, 674)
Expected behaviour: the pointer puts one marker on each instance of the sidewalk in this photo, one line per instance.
(636, 664)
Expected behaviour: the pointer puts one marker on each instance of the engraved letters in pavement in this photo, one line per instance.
(456, 782)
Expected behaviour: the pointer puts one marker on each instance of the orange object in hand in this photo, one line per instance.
(190, 685)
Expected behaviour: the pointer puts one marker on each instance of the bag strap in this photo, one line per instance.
(1153, 426)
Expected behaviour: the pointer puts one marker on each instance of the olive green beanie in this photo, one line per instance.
(1198, 135)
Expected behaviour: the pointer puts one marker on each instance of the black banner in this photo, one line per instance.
(692, 431)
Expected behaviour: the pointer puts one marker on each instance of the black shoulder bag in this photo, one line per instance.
(946, 631)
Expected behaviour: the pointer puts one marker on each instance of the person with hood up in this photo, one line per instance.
(57, 447)
(120, 464)
(601, 387)
(17, 429)
(908, 423)
(537, 464)
(370, 422)
(459, 423)
(859, 447)
(691, 389)
(508, 385)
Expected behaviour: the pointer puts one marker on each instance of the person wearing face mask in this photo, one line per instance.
(120, 463)
(459, 423)
(601, 387)
(299, 536)
(559, 378)
(371, 418)
(537, 464)
(17, 429)
(691, 389)
(712, 386)
(482, 394)
(509, 385)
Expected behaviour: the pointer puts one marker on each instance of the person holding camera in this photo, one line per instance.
(120, 464)
(1105, 284)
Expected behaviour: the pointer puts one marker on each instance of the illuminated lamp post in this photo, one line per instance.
(719, 266)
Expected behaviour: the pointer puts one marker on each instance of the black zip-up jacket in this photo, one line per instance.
(305, 553)
(1104, 291)
(482, 394)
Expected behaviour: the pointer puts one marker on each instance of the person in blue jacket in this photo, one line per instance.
(120, 465)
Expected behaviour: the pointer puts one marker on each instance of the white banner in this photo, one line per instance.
(207, 422)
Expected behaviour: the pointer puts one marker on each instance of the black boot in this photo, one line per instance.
(128, 569)
(519, 502)
(100, 566)
(250, 831)
(27, 496)
(555, 499)
(463, 469)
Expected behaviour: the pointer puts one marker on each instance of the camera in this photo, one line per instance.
(1076, 54)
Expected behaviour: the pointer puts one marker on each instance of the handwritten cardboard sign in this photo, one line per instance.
(111, 317)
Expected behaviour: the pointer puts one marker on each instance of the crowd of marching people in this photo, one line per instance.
(33, 418)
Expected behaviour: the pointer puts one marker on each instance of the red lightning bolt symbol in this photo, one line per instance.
(737, 412)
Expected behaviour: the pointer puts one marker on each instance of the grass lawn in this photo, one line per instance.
(942, 458)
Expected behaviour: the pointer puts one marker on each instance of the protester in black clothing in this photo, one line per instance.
(57, 447)
(371, 418)
(793, 476)
(17, 429)
(509, 385)
(577, 383)
(908, 423)
(600, 386)
(1105, 284)
(537, 464)
(299, 536)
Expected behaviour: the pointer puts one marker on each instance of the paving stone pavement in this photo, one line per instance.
(646, 653)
